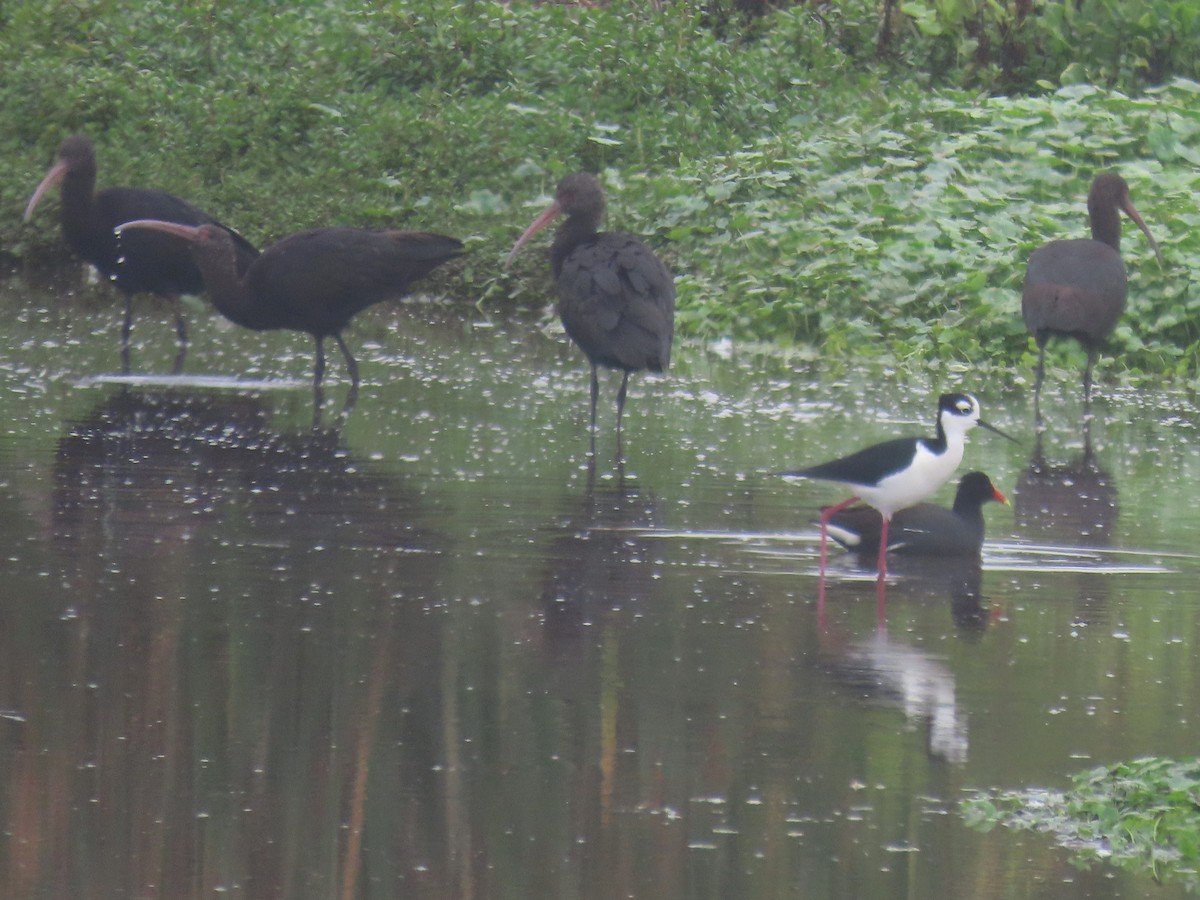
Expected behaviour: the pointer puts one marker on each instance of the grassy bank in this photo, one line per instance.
(806, 189)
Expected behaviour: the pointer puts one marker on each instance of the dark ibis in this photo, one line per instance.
(925, 529)
(144, 262)
(312, 281)
(1077, 288)
(899, 473)
(616, 298)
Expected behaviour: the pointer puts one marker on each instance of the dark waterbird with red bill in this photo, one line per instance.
(616, 298)
(925, 529)
(143, 263)
(312, 281)
(899, 473)
(1078, 288)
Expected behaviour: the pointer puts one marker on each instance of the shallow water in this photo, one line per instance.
(431, 654)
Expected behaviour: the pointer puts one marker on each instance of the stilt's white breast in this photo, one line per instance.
(928, 472)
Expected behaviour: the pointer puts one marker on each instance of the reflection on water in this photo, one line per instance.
(211, 634)
(148, 467)
(956, 579)
(885, 670)
(1073, 502)
(432, 655)
(599, 560)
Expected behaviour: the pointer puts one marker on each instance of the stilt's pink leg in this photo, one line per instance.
(881, 565)
(826, 515)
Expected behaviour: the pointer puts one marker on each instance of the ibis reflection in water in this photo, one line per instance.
(145, 465)
(1073, 502)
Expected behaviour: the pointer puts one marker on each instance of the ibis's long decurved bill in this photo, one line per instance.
(547, 216)
(56, 174)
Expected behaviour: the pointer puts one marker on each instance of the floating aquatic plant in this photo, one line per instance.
(1143, 814)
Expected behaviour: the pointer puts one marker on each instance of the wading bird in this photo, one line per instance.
(312, 281)
(925, 529)
(1077, 288)
(144, 262)
(616, 298)
(899, 473)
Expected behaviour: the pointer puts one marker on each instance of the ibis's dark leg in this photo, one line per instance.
(318, 374)
(347, 408)
(591, 474)
(351, 363)
(1087, 384)
(352, 368)
(126, 328)
(180, 321)
(181, 331)
(592, 428)
(127, 324)
(319, 366)
(621, 399)
(1037, 384)
(620, 411)
(595, 396)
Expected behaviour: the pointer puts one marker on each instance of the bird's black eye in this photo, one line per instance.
(963, 406)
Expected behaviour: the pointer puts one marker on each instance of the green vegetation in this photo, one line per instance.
(814, 177)
(1141, 815)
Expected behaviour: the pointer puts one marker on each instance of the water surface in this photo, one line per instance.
(432, 653)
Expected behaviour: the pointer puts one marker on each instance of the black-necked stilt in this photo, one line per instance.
(925, 529)
(899, 473)
(1077, 288)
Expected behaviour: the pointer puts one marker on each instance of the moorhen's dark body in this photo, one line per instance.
(925, 529)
